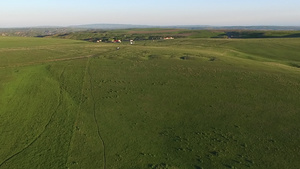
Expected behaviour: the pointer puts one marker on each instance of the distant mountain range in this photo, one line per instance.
(199, 27)
(53, 30)
(110, 26)
(132, 26)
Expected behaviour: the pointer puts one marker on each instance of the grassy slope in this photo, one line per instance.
(157, 33)
(142, 106)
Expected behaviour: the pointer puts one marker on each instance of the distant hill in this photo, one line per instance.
(132, 26)
(110, 26)
(257, 27)
(154, 32)
(199, 27)
(36, 31)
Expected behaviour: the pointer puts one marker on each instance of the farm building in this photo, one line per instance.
(166, 38)
(116, 41)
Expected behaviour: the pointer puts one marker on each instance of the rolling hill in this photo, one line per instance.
(182, 103)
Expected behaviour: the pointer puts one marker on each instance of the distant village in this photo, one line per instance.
(115, 40)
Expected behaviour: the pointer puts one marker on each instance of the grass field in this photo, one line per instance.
(178, 104)
(158, 33)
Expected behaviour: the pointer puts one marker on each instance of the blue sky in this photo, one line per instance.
(19, 13)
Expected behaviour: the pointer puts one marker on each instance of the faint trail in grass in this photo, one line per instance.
(45, 127)
(78, 111)
(86, 72)
(18, 87)
(45, 61)
(96, 120)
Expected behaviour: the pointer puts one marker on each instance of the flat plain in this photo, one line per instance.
(178, 104)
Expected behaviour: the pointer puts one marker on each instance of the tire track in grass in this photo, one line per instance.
(96, 120)
(45, 127)
(86, 72)
(52, 60)
(14, 95)
(78, 111)
(44, 61)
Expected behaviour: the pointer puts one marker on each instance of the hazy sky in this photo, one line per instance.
(16, 13)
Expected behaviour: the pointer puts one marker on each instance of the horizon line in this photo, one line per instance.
(146, 25)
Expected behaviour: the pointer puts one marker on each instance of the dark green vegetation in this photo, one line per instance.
(48, 31)
(38, 32)
(107, 35)
(183, 103)
(158, 34)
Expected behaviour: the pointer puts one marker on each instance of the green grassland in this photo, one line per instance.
(187, 103)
